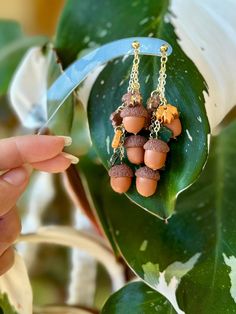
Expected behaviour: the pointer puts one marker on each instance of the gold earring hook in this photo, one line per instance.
(134, 85)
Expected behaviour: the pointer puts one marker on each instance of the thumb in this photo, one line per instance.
(12, 185)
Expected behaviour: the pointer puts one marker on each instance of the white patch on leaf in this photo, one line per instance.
(167, 282)
(189, 135)
(143, 246)
(199, 119)
(15, 283)
(28, 90)
(231, 262)
(108, 142)
(200, 35)
(144, 21)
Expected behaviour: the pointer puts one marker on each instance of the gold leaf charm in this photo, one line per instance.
(166, 113)
(116, 139)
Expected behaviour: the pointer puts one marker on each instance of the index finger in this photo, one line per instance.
(16, 151)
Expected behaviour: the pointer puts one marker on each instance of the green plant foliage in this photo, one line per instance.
(13, 45)
(197, 245)
(188, 154)
(5, 305)
(137, 298)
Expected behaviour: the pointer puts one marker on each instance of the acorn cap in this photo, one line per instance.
(148, 173)
(132, 99)
(135, 141)
(156, 145)
(137, 111)
(122, 170)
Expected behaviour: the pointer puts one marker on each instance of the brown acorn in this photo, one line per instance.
(134, 118)
(121, 177)
(134, 148)
(146, 181)
(155, 153)
(175, 126)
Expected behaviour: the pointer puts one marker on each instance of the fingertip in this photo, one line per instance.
(55, 165)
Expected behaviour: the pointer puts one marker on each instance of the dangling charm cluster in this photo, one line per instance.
(137, 130)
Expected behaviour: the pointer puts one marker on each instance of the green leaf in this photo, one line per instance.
(137, 298)
(93, 172)
(196, 247)
(5, 306)
(188, 154)
(13, 45)
(185, 87)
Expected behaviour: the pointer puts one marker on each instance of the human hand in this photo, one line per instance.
(18, 156)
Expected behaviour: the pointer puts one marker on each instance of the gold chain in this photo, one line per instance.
(160, 90)
(162, 75)
(134, 85)
(154, 127)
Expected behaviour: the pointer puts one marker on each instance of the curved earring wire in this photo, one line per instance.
(80, 69)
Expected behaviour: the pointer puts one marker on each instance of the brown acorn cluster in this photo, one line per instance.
(149, 153)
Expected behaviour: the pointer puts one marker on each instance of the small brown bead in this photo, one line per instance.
(132, 99)
(120, 184)
(153, 102)
(175, 126)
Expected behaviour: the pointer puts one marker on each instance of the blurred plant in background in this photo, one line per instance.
(80, 241)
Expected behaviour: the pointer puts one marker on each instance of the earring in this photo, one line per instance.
(162, 114)
(130, 117)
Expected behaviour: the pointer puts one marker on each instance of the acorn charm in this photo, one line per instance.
(146, 181)
(155, 153)
(175, 126)
(168, 115)
(134, 118)
(134, 148)
(120, 178)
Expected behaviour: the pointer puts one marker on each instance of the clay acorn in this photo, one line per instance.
(155, 153)
(134, 148)
(169, 115)
(146, 181)
(134, 118)
(175, 126)
(121, 177)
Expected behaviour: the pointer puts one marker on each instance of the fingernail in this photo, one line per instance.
(67, 140)
(16, 176)
(72, 158)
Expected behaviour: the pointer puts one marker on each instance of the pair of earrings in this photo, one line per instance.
(146, 145)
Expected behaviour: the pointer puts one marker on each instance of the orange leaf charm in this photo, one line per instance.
(166, 113)
(116, 139)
